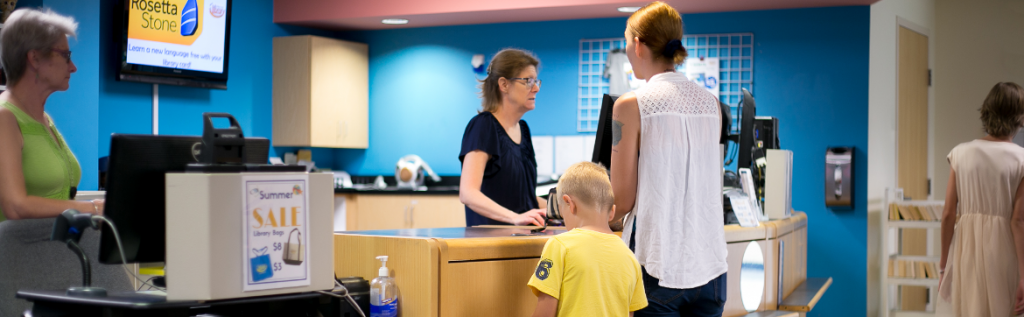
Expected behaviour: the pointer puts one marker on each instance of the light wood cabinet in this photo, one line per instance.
(320, 92)
(383, 211)
(451, 272)
(483, 270)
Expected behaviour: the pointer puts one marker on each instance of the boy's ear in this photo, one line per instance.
(572, 204)
(611, 215)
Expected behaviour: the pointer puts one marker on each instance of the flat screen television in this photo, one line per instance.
(175, 42)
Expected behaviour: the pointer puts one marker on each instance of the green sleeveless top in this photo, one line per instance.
(50, 169)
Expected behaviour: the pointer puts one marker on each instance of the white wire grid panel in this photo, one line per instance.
(735, 52)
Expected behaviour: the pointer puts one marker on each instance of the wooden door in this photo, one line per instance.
(912, 146)
(912, 115)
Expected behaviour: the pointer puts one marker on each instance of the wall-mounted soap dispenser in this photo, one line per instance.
(839, 177)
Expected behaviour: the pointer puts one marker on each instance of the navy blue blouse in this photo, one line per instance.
(510, 177)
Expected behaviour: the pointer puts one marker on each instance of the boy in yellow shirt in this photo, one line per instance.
(587, 271)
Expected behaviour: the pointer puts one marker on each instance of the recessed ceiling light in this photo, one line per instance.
(628, 9)
(394, 21)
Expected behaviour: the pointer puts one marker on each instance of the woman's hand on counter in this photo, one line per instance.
(532, 217)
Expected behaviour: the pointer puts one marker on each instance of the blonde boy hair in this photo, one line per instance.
(588, 184)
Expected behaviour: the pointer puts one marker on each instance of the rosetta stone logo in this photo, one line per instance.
(189, 18)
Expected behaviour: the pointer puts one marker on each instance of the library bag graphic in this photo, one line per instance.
(260, 265)
(293, 252)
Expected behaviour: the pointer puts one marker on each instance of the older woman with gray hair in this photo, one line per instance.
(40, 173)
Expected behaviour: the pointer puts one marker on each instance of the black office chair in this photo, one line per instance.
(29, 260)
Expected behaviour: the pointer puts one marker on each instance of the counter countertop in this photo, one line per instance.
(392, 190)
(459, 232)
(733, 233)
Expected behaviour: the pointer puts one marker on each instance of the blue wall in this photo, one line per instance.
(75, 111)
(96, 104)
(810, 72)
(423, 89)
(127, 107)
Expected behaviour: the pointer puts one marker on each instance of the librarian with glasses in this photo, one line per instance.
(499, 170)
(39, 172)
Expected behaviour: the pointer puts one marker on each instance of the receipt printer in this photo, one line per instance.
(839, 177)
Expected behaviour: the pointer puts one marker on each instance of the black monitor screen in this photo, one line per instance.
(746, 130)
(135, 190)
(603, 140)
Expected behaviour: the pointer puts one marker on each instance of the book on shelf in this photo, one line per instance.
(930, 270)
(899, 212)
(936, 211)
(913, 269)
(925, 214)
(914, 212)
(904, 213)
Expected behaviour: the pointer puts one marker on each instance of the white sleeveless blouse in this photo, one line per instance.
(680, 237)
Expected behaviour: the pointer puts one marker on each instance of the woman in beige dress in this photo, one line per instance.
(983, 224)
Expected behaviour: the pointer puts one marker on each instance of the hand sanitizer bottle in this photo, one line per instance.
(383, 292)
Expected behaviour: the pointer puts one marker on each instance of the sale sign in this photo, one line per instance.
(274, 220)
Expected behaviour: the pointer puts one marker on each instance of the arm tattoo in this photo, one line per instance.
(616, 132)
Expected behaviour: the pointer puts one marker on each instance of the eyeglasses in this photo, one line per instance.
(530, 82)
(64, 53)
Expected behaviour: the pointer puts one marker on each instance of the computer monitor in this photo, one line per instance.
(726, 123)
(603, 140)
(748, 112)
(135, 190)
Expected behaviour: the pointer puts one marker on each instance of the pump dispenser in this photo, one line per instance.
(383, 292)
(383, 271)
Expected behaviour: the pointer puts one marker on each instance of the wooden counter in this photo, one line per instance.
(482, 271)
(786, 235)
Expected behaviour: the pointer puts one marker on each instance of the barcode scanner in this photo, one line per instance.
(68, 228)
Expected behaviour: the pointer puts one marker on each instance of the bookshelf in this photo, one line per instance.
(898, 269)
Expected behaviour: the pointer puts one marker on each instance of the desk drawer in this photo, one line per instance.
(488, 288)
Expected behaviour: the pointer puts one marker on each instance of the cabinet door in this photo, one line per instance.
(290, 95)
(488, 288)
(350, 210)
(377, 212)
(409, 211)
(438, 212)
(339, 94)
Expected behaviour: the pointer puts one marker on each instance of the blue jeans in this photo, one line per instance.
(705, 300)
